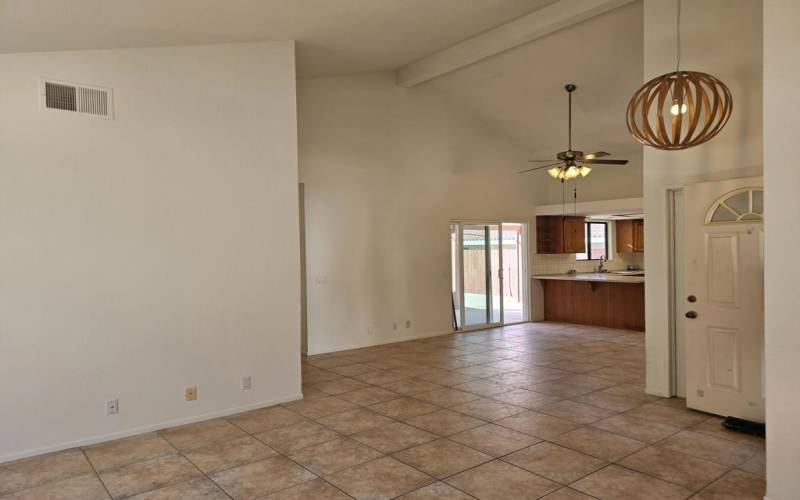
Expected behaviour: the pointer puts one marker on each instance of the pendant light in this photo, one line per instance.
(681, 109)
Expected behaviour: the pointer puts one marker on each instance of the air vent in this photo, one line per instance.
(77, 98)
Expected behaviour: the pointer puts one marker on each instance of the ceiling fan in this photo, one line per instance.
(571, 163)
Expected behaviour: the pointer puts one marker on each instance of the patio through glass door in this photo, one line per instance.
(488, 273)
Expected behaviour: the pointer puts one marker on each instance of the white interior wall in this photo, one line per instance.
(385, 169)
(782, 204)
(152, 252)
(723, 38)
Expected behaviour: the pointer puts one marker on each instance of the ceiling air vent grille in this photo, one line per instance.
(82, 99)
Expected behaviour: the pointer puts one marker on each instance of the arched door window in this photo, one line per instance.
(743, 205)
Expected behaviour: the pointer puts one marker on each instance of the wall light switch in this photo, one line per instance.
(246, 383)
(112, 407)
(408, 323)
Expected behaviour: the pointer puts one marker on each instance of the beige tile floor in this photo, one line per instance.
(541, 410)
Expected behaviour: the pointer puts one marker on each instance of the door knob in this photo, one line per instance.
(691, 298)
(691, 314)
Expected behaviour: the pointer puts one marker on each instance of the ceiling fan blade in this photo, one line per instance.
(539, 168)
(597, 154)
(607, 162)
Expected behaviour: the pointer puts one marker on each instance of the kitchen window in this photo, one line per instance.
(596, 241)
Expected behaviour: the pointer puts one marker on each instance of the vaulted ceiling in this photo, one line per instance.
(333, 36)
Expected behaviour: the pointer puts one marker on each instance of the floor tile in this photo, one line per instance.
(321, 407)
(436, 491)
(333, 456)
(494, 440)
(446, 397)
(579, 413)
(404, 408)
(30, 472)
(444, 422)
(717, 450)
(538, 424)
(196, 489)
(756, 465)
(316, 489)
(112, 454)
(488, 409)
(484, 387)
(200, 434)
(442, 458)
(567, 494)
(383, 478)
(139, 477)
(609, 401)
(629, 391)
(368, 396)
(636, 428)
(340, 385)
(555, 462)
(354, 369)
(735, 485)
(261, 478)
(689, 472)
(84, 487)
(526, 398)
(666, 415)
(351, 422)
(379, 377)
(501, 481)
(713, 427)
(295, 437)
(570, 387)
(393, 437)
(615, 482)
(597, 443)
(222, 455)
(411, 386)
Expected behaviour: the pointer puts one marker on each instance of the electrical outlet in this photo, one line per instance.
(408, 323)
(191, 393)
(112, 407)
(246, 383)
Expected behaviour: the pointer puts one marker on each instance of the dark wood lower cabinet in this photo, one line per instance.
(615, 305)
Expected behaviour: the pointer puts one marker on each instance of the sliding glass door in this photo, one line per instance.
(486, 290)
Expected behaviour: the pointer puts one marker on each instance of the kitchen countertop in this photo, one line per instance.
(603, 277)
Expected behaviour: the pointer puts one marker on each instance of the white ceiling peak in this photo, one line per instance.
(559, 15)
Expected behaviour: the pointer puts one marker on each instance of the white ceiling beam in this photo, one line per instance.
(527, 28)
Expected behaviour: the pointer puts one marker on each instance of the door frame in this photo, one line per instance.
(675, 255)
(526, 309)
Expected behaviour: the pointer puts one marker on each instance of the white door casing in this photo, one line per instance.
(723, 270)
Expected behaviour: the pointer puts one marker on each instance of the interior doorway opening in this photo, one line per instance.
(488, 270)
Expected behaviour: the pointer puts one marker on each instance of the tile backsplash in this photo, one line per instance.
(561, 263)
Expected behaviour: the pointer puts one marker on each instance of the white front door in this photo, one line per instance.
(724, 313)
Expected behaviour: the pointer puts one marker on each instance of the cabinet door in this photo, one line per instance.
(638, 236)
(559, 300)
(626, 306)
(574, 235)
(624, 236)
(591, 299)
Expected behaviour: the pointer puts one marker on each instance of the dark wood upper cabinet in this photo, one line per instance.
(557, 234)
(630, 235)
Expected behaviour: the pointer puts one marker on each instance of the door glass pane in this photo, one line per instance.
(513, 279)
(476, 297)
(494, 269)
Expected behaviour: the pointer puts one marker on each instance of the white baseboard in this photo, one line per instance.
(382, 342)
(8, 457)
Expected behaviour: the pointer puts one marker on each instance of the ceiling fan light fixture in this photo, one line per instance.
(572, 172)
(554, 172)
(584, 170)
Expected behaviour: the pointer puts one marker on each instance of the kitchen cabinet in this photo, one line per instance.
(630, 235)
(609, 304)
(560, 234)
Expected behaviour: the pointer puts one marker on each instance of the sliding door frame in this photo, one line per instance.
(460, 223)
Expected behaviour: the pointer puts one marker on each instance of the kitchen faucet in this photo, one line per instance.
(600, 268)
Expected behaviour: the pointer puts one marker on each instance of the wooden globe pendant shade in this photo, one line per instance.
(679, 110)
